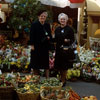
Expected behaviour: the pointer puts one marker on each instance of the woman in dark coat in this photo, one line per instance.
(40, 35)
(64, 37)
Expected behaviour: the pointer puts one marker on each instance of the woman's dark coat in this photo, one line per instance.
(38, 38)
(64, 58)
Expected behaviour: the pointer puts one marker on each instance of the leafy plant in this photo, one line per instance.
(23, 13)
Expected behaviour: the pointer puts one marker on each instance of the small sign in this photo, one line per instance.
(94, 43)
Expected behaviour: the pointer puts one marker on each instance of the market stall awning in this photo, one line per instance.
(64, 3)
(93, 5)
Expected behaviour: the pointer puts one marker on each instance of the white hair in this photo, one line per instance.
(46, 13)
(62, 15)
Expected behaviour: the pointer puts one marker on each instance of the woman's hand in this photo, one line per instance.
(32, 47)
(48, 37)
(66, 40)
(65, 49)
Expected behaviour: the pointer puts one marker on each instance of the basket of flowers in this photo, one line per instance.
(6, 88)
(73, 74)
(86, 73)
(34, 78)
(29, 92)
(52, 94)
(27, 78)
(51, 83)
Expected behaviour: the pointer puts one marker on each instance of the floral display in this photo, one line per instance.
(54, 94)
(73, 73)
(6, 80)
(29, 88)
(51, 83)
(27, 79)
(90, 64)
(86, 72)
(85, 55)
(51, 59)
(12, 54)
(96, 66)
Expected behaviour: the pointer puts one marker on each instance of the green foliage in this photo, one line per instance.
(23, 13)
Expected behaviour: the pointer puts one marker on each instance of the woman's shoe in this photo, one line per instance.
(64, 84)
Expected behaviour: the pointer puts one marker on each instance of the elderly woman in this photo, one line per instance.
(64, 37)
(40, 35)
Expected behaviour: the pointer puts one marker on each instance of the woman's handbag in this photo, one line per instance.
(68, 51)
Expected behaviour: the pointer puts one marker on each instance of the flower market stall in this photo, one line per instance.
(15, 84)
(15, 57)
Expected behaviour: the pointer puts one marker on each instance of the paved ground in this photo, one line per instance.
(85, 88)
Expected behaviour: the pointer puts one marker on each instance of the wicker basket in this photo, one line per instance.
(63, 99)
(43, 98)
(28, 96)
(53, 87)
(6, 93)
(41, 95)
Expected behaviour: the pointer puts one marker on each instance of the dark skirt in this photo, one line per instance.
(39, 59)
(63, 59)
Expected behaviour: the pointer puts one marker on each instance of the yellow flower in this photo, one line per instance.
(26, 66)
(27, 63)
(19, 65)
(18, 61)
(12, 63)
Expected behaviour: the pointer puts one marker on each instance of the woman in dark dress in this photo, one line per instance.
(40, 36)
(64, 37)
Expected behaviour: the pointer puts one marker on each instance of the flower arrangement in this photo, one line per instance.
(72, 74)
(96, 67)
(29, 91)
(54, 94)
(6, 79)
(86, 72)
(27, 79)
(85, 55)
(51, 83)
(29, 88)
(12, 54)
(51, 59)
